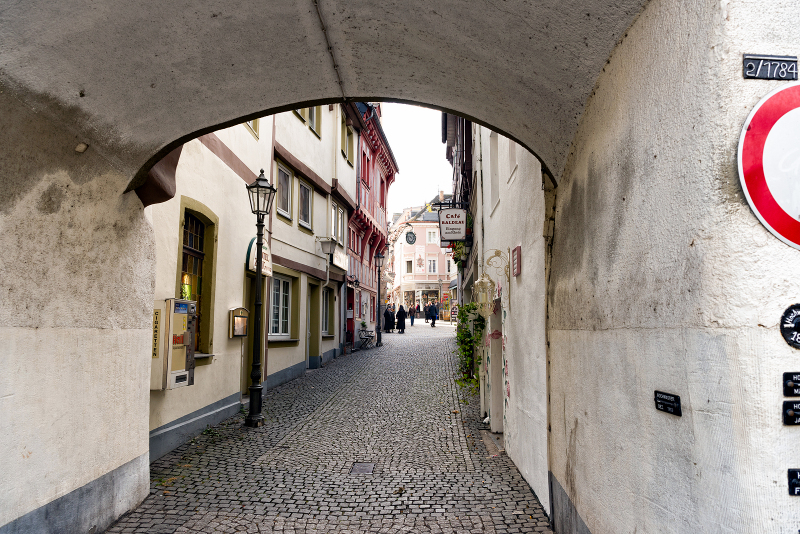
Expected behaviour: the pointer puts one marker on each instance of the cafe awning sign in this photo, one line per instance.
(266, 258)
(453, 224)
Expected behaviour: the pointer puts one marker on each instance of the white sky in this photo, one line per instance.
(415, 135)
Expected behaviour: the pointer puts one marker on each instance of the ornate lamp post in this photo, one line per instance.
(261, 194)
(379, 265)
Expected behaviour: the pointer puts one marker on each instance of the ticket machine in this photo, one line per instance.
(174, 330)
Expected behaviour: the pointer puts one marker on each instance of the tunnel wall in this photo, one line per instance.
(76, 272)
(663, 279)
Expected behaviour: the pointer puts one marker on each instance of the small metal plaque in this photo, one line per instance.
(791, 384)
(794, 482)
(362, 468)
(761, 67)
(411, 238)
(791, 413)
(790, 325)
(667, 402)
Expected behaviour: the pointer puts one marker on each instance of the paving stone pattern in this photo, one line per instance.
(396, 406)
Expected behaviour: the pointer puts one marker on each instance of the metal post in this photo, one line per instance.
(379, 343)
(255, 418)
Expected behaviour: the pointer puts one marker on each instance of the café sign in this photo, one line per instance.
(266, 258)
(453, 224)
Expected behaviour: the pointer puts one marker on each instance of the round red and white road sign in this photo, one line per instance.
(769, 162)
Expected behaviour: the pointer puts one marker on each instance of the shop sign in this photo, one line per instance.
(266, 258)
(340, 259)
(453, 224)
(769, 163)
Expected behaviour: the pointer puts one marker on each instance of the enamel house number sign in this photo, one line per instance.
(769, 162)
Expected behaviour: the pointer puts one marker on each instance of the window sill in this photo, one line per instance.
(284, 216)
(319, 136)
(202, 356)
(282, 342)
(303, 227)
(328, 336)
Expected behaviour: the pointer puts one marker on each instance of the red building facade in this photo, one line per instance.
(376, 170)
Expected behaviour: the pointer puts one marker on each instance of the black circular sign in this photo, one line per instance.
(790, 325)
(411, 238)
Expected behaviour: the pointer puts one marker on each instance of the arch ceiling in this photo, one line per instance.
(131, 77)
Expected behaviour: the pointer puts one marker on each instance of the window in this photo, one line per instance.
(409, 266)
(192, 266)
(304, 209)
(347, 141)
(279, 318)
(431, 266)
(341, 227)
(372, 308)
(335, 222)
(432, 236)
(448, 266)
(313, 119)
(326, 300)
(252, 127)
(284, 192)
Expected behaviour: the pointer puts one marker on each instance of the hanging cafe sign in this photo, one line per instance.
(266, 258)
(453, 224)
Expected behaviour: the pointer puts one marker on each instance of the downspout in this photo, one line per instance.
(269, 281)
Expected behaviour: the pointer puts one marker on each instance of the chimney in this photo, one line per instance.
(441, 196)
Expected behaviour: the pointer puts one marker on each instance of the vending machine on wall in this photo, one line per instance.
(174, 330)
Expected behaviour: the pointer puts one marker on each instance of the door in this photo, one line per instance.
(308, 329)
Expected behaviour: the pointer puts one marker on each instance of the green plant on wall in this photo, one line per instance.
(469, 334)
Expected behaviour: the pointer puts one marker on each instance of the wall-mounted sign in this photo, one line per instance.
(791, 413)
(266, 258)
(516, 261)
(667, 402)
(411, 237)
(769, 162)
(340, 258)
(453, 224)
(763, 67)
(794, 481)
(790, 325)
(791, 384)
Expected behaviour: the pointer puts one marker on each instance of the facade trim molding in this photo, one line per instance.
(302, 169)
(228, 157)
(297, 266)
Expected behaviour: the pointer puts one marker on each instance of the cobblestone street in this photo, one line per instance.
(396, 407)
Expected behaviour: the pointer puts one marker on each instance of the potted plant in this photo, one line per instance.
(363, 325)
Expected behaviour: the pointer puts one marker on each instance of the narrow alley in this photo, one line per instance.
(396, 409)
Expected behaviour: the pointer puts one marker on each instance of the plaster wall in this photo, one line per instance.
(204, 177)
(76, 272)
(516, 219)
(662, 278)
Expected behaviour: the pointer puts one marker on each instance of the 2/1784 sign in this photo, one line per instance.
(453, 224)
(769, 162)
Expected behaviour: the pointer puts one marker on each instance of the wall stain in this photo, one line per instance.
(51, 199)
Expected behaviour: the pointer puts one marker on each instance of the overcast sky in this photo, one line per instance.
(415, 135)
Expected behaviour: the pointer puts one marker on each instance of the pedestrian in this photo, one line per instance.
(401, 320)
(434, 312)
(387, 320)
(391, 319)
(411, 314)
(427, 312)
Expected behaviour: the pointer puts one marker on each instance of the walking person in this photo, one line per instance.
(388, 318)
(401, 320)
(427, 312)
(411, 314)
(434, 312)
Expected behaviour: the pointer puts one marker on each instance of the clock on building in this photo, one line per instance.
(411, 238)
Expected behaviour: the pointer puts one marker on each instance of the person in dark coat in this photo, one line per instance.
(401, 320)
(427, 312)
(388, 319)
(433, 309)
(411, 314)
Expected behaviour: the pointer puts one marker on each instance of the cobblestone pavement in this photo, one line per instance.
(396, 407)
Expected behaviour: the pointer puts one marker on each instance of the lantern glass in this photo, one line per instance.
(379, 260)
(328, 245)
(484, 290)
(261, 194)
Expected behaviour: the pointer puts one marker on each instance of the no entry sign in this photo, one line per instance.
(769, 162)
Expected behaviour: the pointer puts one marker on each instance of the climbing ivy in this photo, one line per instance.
(469, 334)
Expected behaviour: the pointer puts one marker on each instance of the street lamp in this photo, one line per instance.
(379, 264)
(261, 194)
